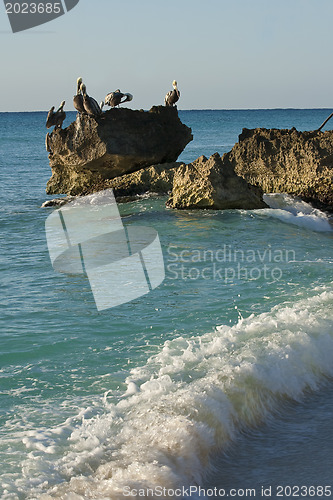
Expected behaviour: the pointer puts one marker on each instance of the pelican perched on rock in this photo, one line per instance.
(50, 118)
(57, 118)
(113, 99)
(91, 106)
(173, 96)
(78, 98)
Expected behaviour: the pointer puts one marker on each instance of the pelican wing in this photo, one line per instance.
(95, 106)
(91, 106)
(78, 103)
(114, 98)
(50, 118)
(108, 98)
(167, 98)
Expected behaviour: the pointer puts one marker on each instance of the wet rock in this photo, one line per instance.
(57, 202)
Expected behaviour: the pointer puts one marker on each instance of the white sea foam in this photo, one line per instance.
(293, 210)
(193, 397)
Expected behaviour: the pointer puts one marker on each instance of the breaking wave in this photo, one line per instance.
(293, 210)
(192, 398)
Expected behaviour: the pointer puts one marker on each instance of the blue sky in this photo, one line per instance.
(225, 54)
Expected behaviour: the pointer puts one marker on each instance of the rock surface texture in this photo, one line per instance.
(156, 179)
(286, 161)
(135, 152)
(118, 142)
(211, 183)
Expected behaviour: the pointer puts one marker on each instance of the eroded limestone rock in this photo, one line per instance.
(209, 183)
(118, 142)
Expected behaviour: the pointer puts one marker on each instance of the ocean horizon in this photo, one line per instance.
(197, 109)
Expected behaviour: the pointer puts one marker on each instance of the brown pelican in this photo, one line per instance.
(91, 106)
(78, 98)
(113, 99)
(172, 97)
(56, 118)
(50, 118)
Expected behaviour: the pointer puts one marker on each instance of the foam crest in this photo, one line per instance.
(293, 210)
(192, 398)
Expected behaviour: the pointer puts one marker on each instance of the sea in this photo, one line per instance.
(217, 383)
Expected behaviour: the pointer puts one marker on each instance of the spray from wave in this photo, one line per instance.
(293, 210)
(192, 398)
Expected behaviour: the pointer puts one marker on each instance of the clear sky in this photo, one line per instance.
(225, 54)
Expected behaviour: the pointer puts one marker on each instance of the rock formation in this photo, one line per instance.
(135, 152)
(210, 183)
(118, 142)
(286, 161)
(157, 179)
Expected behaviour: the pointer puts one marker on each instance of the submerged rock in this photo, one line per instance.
(287, 161)
(57, 202)
(209, 183)
(119, 142)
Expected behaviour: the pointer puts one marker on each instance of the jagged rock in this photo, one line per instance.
(209, 183)
(118, 142)
(57, 202)
(287, 161)
(155, 179)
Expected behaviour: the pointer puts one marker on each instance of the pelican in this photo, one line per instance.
(113, 99)
(173, 96)
(78, 98)
(56, 118)
(50, 118)
(91, 106)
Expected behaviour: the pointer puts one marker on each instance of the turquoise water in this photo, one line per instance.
(219, 366)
